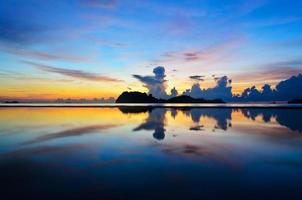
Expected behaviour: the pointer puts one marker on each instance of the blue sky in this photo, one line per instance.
(51, 49)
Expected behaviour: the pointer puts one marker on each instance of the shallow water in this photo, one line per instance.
(150, 153)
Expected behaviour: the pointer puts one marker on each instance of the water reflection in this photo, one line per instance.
(122, 153)
(155, 122)
(221, 116)
(157, 117)
(291, 118)
(70, 133)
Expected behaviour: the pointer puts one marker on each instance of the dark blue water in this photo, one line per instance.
(150, 153)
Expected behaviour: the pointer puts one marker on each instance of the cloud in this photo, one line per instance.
(174, 92)
(206, 54)
(188, 55)
(191, 56)
(99, 3)
(252, 94)
(222, 90)
(207, 57)
(72, 73)
(156, 84)
(197, 77)
(285, 90)
(290, 88)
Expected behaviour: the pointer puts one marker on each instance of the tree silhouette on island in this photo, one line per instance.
(140, 97)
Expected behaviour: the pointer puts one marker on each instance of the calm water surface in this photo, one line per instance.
(145, 153)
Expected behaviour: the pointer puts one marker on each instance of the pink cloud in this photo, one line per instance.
(79, 74)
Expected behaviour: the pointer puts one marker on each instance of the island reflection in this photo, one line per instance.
(156, 120)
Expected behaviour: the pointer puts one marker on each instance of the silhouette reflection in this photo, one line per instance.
(156, 120)
(290, 118)
(222, 116)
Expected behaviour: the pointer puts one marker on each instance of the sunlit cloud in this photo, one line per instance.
(222, 90)
(155, 84)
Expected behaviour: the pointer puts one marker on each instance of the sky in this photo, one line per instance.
(100, 48)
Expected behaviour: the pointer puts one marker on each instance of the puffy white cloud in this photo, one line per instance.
(222, 90)
(156, 84)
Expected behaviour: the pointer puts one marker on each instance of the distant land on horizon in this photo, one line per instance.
(61, 101)
(140, 97)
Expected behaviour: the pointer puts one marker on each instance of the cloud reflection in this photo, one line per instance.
(290, 118)
(155, 121)
(157, 118)
(222, 116)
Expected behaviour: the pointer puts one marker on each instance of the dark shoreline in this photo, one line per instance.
(250, 106)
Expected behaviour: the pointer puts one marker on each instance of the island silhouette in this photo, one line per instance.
(140, 97)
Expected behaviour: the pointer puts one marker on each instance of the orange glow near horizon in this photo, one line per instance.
(91, 90)
(50, 92)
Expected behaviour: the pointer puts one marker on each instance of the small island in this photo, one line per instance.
(139, 97)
